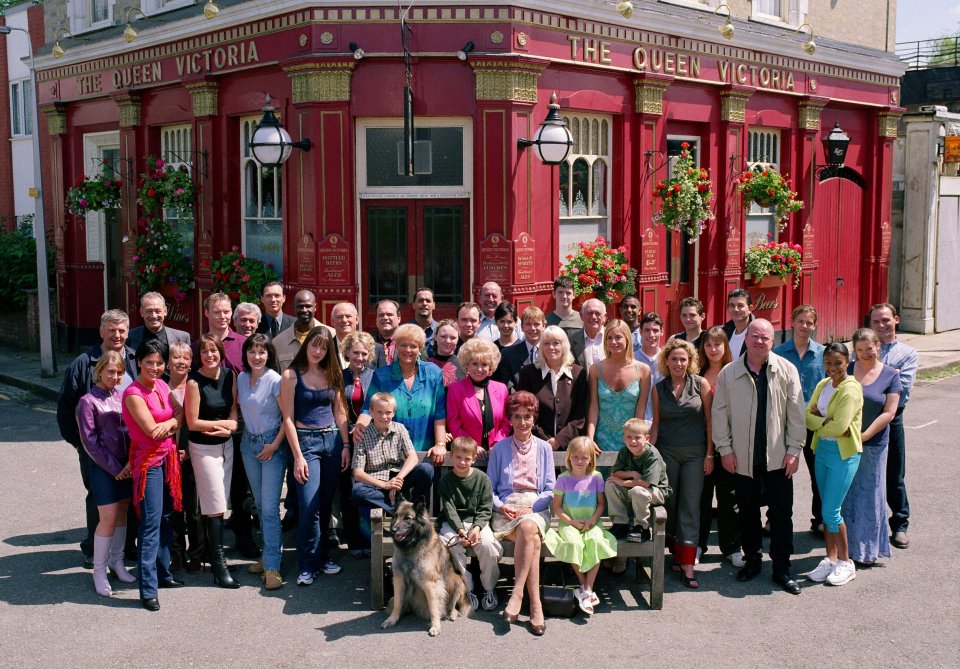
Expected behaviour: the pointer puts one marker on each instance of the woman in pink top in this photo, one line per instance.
(476, 404)
(152, 420)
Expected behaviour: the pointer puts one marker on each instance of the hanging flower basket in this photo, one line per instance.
(164, 187)
(241, 277)
(93, 194)
(770, 190)
(685, 199)
(772, 259)
(159, 261)
(596, 268)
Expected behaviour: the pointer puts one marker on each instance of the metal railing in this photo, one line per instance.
(924, 54)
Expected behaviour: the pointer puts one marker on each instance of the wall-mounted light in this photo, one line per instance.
(358, 53)
(271, 144)
(727, 29)
(211, 9)
(553, 139)
(809, 46)
(835, 145)
(58, 50)
(625, 9)
(130, 33)
(465, 51)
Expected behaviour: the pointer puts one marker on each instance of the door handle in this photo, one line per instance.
(839, 281)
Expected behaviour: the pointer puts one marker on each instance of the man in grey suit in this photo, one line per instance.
(274, 321)
(153, 311)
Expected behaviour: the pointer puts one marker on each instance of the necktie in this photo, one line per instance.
(274, 327)
(356, 397)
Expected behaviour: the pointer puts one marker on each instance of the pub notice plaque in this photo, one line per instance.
(205, 255)
(333, 260)
(495, 259)
(649, 252)
(525, 253)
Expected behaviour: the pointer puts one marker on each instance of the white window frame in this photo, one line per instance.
(792, 13)
(176, 150)
(152, 7)
(703, 5)
(460, 191)
(246, 158)
(760, 221)
(576, 225)
(21, 108)
(79, 12)
(95, 221)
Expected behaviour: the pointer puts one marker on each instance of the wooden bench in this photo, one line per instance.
(649, 554)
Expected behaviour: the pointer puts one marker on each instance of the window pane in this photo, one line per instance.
(264, 241)
(598, 206)
(387, 237)
(770, 7)
(443, 270)
(438, 151)
(564, 188)
(99, 11)
(27, 101)
(15, 107)
(581, 172)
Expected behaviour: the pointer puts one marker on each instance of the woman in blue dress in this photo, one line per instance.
(865, 506)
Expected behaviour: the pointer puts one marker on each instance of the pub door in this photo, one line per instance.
(412, 243)
(837, 223)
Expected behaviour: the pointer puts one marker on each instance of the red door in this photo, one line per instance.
(412, 243)
(837, 224)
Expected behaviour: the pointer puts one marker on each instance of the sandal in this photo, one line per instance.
(676, 569)
(585, 603)
(690, 582)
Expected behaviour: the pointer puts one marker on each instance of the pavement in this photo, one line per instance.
(21, 368)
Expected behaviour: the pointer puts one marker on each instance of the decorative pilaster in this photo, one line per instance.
(889, 120)
(648, 95)
(809, 116)
(506, 80)
(733, 105)
(204, 94)
(129, 110)
(56, 119)
(320, 82)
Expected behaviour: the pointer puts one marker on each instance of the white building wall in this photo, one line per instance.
(22, 146)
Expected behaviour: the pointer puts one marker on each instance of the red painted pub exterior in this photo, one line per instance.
(344, 221)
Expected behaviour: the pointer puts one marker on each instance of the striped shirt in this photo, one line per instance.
(380, 453)
(579, 494)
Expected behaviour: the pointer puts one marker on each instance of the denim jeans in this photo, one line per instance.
(416, 484)
(896, 471)
(321, 449)
(156, 533)
(266, 482)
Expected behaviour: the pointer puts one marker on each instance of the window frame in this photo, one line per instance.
(178, 160)
(21, 108)
(701, 5)
(754, 215)
(80, 11)
(154, 7)
(246, 157)
(793, 13)
(602, 221)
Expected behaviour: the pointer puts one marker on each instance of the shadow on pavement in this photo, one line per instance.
(37, 579)
(71, 536)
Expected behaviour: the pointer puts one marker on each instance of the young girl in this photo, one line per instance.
(578, 502)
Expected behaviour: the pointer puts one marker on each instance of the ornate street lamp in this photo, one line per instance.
(553, 139)
(271, 144)
(835, 146)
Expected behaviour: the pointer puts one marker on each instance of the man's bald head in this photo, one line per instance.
(759, 340)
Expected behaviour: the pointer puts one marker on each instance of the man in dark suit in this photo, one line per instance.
(153, 311)
(739, 309)
(524, 352)
(346, 320)
(586, 344)
(274, 321)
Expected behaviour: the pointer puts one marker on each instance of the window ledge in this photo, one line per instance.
(773, 21)
(693, 4)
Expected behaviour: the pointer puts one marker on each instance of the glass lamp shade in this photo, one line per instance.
(553, 142)
(271, 145)
(835, 145)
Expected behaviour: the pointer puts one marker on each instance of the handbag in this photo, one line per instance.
(558, 600)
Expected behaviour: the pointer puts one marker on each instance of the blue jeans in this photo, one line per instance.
(266, 482)
(834, 476)
(321, 450)
(155, 534)
(416, 484)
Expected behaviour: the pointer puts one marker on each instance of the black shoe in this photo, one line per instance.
(900, 539)
(130, 554)
(87, 561)
(816, 529)
(247, 548)
(150, 603)
(289, 522)
(749, 571)
(194, 566)
(171, 583)
(177, 563)
(333, 539)
(787, 582)
(619, 531)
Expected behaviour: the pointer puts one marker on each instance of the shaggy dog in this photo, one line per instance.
(424, 578)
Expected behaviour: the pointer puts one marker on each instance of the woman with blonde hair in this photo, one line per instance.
(476, 404)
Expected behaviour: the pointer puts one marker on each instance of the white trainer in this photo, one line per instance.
(843, 573)
(736, 559)
(822, 570)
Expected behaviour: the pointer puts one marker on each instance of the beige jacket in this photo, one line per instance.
(735, 411)
(287, 344)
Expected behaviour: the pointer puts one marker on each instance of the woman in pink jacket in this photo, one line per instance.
(476, 404)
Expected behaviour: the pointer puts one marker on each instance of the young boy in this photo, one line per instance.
(466, 507)
(691, 315)
(638, 480)
(384, 462)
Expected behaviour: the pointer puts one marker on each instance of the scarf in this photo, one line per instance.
(486, 408)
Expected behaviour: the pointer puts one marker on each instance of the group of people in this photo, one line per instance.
(340, 416)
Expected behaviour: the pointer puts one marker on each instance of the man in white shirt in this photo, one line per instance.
(491, 295)
(468, 322)
(739, 309)
(524, 352)
(646, 348)
(586, 345)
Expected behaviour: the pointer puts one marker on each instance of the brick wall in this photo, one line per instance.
(8, 218)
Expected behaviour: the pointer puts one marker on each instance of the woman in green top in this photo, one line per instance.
(834, 415)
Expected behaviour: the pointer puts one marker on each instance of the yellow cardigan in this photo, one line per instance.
(845, 411)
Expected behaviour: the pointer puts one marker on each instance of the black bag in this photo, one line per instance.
(558, 600)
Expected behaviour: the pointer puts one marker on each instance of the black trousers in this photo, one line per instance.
(896, 471)
(240, 519)
(728, 522)
(188, 524)
(90, 507)
(816, 506)
(776, 490)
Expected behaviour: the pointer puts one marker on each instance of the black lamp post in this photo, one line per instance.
(835, 146)
(553, 139)
(271, 144)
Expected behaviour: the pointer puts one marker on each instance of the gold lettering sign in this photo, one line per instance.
(951, 149)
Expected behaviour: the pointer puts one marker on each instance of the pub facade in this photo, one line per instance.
(346, 221)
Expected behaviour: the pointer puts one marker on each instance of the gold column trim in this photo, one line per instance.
(506, 80)
(888, 124)
(129, 110)
(320, 82)
(204, 94)
(733, 106)
(56, 119)
(648, 96)
(810, 115)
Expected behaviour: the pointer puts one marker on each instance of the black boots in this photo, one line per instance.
(218, 562)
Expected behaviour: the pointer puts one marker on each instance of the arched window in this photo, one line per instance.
(584, 182)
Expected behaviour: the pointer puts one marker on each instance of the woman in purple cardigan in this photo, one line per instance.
(522, 474)
(104, 438)
(476, 404)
